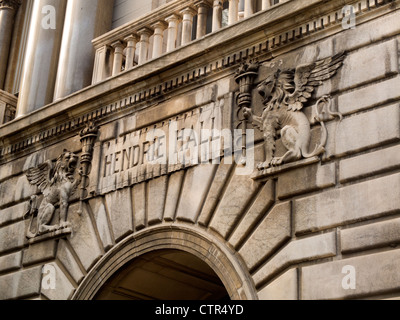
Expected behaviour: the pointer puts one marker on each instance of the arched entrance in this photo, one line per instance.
(164, 275)
(183, 249)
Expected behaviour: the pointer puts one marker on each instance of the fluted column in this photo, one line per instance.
(248, 8)
(202, 11)
(131, 42)
(84, 21)
(118, 47)
(233, 11)
(42, 55)
(158, 38)
(173, 22)
(187, 24)
(144, 34)
(266, 4)
(217, 15)
(8, 9)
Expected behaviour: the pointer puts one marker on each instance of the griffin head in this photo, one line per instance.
(66, 165)
(276, 88)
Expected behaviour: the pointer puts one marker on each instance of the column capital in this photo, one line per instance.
(203, 3)
(173, 17)
(145, 32)
(131, 37)
(159, 25)
(10, 4)
(117, 44)
(188, 10)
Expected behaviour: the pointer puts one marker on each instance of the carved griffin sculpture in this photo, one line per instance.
(284, 94)
(57, 184)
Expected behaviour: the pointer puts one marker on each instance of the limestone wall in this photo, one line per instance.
(289, 234)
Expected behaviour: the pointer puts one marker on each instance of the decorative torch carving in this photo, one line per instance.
(88, 137)
(57, 184)
(284, 95)
(245, 77)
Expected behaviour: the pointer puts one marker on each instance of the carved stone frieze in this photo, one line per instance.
(284, 95)
(57, 184)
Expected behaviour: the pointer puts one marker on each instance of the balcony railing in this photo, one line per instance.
(165, 29)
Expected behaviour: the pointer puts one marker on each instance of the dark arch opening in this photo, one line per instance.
(164, 275)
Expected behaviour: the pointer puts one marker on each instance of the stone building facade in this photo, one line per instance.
(199, 149)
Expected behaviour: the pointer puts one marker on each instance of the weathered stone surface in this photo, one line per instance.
(21, 284)
(39, 252)
(100, 216)
(365, 65)
(312, 248)
(194, 191)
(270, 234)
(157, 189)
(285, 287)
(139, 205)
(240, 191)
(373, 235)
(171, 200)
(83, 238)
(15, 190)
(13, 214)
(374, 273)
(220, 179)
(306, 179)
(63, 289)
(119, 204)
(260, 206)
(65, 256)
(366, 33)
(12, 236)
(10, 262)
(349, 204)
(367, 130)
(369, 164)
(368, 97)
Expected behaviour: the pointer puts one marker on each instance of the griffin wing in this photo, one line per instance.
(308, 77)
(41, 175)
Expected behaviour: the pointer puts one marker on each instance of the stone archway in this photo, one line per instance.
(223, 262)
(164, 275)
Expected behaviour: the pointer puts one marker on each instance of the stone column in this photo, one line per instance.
(118, 57)
(8, 9)
(42, 55)
(266, 4)
(248, 8)
(84, 21)
(144, 34)
(202, 11)
(187, 24)
(131, 42)
(233, 11)
(158, 38)
(173, 22)
(241, 9)
(217, 15)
